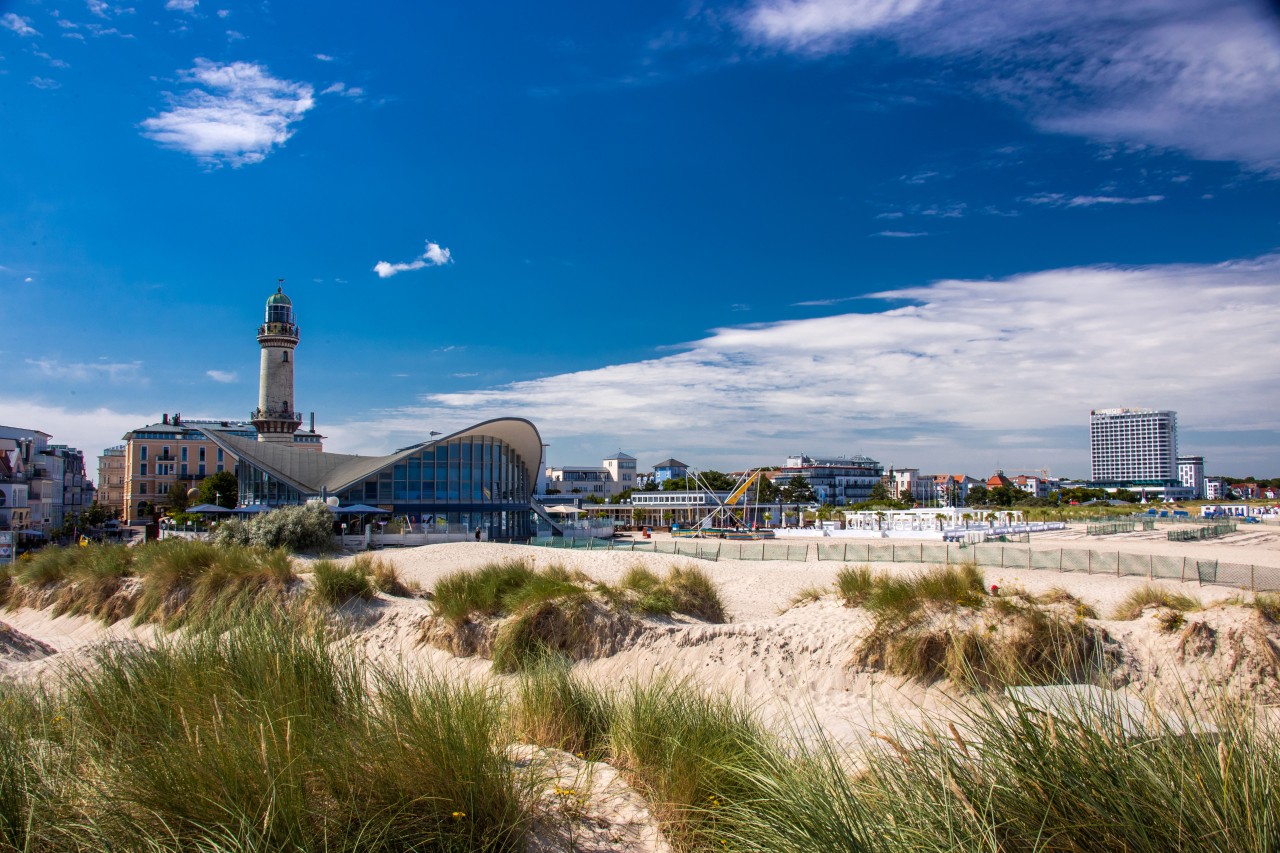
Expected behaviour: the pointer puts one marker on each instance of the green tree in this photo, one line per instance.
(178, 501)
(978, 496)
(220, 489)
(95, 515)
(880, 492)
(769, 492)
(798, 491)
(650, 486)
(717, 481)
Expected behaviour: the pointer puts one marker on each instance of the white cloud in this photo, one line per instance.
(28, 280)
(44, 83)
(223, 376)
(17, 23)
(965, 372)
(434, 256)
(342, 89)
(1200, 76)
(820, 25)
(901, 234)
(105, 10)
(235, 113)
(1061, 200)
(324, 57)
(90, 430)
(182, 5)
(51, 368)
(223, 13)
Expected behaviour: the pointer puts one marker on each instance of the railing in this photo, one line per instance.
(1152, 566)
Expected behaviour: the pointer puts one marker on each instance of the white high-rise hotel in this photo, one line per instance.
(1134, 446)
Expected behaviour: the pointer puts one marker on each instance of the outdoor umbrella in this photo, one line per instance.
(209, 509)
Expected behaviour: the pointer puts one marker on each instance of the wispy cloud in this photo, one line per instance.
(820, 26)
(324, 57)
(339, 88)
(45, 83)
(965, 370)
(1061, 200)
(105, 10)
(1200, 76)
(226, 377)
(52, 368)
(434, 256)
(18, 24)
(234, 114)
(182, 5)
(901, 234)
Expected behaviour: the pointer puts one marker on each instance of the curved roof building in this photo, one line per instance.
(482, 477)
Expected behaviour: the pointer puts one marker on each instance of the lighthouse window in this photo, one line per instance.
(284, 356)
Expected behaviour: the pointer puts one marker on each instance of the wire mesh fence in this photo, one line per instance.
(989, 555)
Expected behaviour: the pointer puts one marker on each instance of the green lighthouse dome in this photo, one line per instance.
(278, 298)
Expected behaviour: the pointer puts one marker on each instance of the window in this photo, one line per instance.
(184, 454)
(219, 469)
(219, 456)
(143, 452)
(142, 469)
(142, 488)
(184, 468)
(201, 456)
(284, 356)
(200, 470)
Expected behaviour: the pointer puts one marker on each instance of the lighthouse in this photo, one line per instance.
(275, 419)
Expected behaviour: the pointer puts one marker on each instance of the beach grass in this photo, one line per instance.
(1151, 595)
(270, 737)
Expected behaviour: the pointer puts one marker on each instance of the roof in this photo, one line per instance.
(620, 455)
(278, 298)
(312, 472)
(670, 463)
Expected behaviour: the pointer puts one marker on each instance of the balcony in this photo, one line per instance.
(288, 330)
(259, 414)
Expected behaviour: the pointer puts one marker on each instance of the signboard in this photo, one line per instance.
(6, 546)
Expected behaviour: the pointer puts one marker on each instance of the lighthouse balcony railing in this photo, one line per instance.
(278, 329)
(275, 416)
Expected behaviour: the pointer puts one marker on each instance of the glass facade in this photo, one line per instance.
(476, 481)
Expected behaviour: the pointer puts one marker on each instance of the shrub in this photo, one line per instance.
(382, 574)
(295, 528)
(265, 739)
(554, 708)
(685, 589)
(461, 594)
(808, 595)
(855, 584)
(1150, 595)
(1058, 595)
(556, 627)
(233, 531)
(188, 582)
(688, 752)
(335, 585)
(945, 587)
(1009, 778)
(1268, 605)
(49, 565)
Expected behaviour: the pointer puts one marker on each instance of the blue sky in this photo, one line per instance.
(937, 232)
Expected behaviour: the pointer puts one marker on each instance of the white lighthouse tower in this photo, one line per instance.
(275, 419)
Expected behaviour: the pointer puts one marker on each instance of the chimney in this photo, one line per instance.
(313, 421)
(166, 417)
